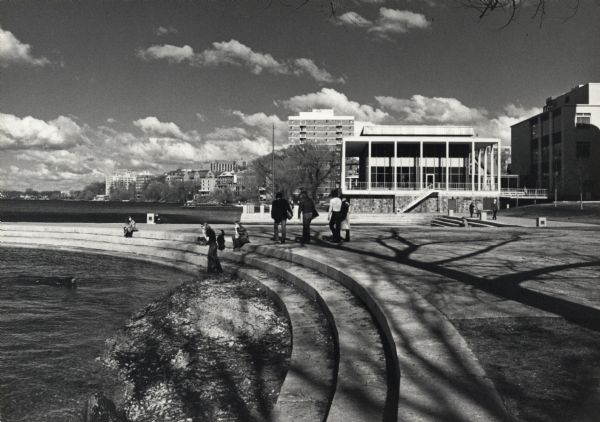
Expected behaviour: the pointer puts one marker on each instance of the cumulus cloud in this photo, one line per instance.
(440, 110)
(168, 52)
(352, 18)
(330, 98)
(151, 125)
(308, 67)
(390, 22)
(165, 30)
(227, 133)
(29, 132)
(499, 126)
(13, 51)
(264, 124)
(420, 109)
(235, 53)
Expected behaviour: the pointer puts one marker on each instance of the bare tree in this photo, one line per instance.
(538, 8)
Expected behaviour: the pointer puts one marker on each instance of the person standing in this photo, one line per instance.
(345, 216)
(334, 216)
(213, 265)
(280, 212)
(494, 208)
(306, 211)
(471, 209)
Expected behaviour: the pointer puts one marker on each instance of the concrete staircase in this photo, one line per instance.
(379, 330)
(452, 221)
(423, 195)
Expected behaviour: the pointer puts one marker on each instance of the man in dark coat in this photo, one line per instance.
(494, 208)
(280, 212)
(213, 265)
(308, 211)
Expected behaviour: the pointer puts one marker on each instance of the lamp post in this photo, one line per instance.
(555, 189)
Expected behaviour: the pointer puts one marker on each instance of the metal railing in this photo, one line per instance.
(524, 193)
(353, 184)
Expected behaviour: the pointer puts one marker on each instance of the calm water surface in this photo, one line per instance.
(51, 336)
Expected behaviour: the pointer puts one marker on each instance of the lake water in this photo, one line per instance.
(51, 336)
(111, 212)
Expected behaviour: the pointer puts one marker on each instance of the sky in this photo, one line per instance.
(88, 87)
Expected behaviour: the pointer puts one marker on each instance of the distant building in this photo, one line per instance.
(227, 180)
(320, 126)
(206, 182)
(120, 178)
(560, 147)
(422, 168)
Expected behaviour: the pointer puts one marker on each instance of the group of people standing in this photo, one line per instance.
(281, 212)
(338, 216)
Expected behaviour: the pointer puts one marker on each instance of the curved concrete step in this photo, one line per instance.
(441, 377)
(309, 385)
(362, 380)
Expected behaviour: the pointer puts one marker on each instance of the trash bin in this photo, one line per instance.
(150, 218)
(540, 222)
(483, 215)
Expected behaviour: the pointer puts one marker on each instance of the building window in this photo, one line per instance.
(534, 129)
(583, 119)
(583, 150)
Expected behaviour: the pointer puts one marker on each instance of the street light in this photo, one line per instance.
(555, 188)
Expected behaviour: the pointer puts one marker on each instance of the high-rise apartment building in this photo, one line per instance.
(559, 149)
(120, 178)
(320, 126)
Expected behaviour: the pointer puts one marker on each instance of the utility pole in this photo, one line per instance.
(273, 162)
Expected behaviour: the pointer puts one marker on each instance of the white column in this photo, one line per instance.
(369, 168)
(492, 172)
(394, 166)
(447, 165)
(485, 167)
(343, 165)
(472, 166)
(421, 165)
(499, 184)
(479, 169)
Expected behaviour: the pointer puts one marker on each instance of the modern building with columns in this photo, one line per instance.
(420, 168)
(559, 148)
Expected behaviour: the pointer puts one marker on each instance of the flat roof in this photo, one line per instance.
(417, 130)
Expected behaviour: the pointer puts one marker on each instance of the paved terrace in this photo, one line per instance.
(417, 283)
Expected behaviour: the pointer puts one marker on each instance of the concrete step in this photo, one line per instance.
(441, 378)
(309, 385)
(445, 222)
(362, 379)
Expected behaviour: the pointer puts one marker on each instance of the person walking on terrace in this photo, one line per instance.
(345, 216)
(213, 265)
(334, 216)
(306, 211)
(471, 209)
(281, 211)
(494, 209)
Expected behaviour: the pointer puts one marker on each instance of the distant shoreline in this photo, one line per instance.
(61, 211)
